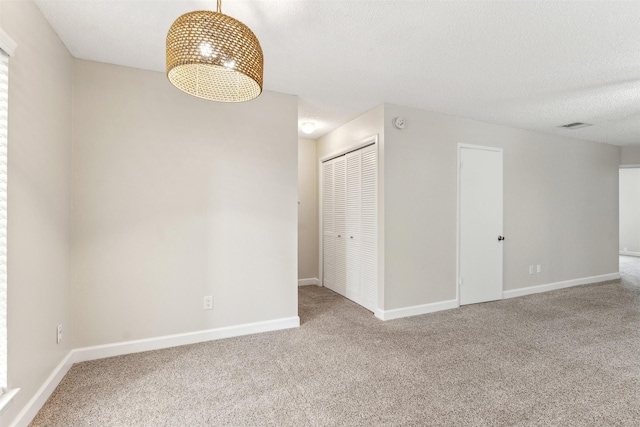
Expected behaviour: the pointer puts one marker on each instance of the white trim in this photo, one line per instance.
(450, 304)
(373, 139)
(7, 43)
(477, 147)
(6, 398)
(559, 285)
(416, 310)
(311, 281)
(28, 413)
(157, 343)
(458, 160)
(629, 253)
(30, 410)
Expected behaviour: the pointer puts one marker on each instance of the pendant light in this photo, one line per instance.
(214, 56)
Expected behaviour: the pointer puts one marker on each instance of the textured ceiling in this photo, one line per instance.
(527, 64)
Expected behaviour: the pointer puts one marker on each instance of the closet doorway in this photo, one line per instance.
(348, 209)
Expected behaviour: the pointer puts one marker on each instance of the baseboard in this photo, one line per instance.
(416, 310)
(558, 285)
(29, 412)
(6, 398)
(137, 346)
(630, 253)
(311, 281)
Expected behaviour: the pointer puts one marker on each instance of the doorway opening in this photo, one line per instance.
(629, 222)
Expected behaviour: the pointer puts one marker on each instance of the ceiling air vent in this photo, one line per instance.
(576, 125)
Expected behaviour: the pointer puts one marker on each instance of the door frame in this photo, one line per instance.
(630, 166)
(458, 169)
(371, 140)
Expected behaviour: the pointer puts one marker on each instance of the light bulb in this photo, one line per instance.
(231, 64)
(205, 49)
(308, 127)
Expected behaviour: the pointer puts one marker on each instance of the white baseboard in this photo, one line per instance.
(157, 343)
(630, 253)
(447, 305)
(6, 398)
(29, 412)
(416, 310)
(558, 285)
(311, 281)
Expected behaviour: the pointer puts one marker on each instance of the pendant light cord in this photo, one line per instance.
(219, 6)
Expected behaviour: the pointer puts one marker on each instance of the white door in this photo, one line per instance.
(368, 228)
(349, 221)
(340, 224)
(328, 240)
(353, 226)
(480, 226)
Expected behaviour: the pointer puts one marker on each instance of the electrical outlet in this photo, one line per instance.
(59, 338)
(208, 302)
(539, 268)
(531, 269)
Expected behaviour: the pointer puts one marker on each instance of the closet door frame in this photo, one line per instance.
(361, 144)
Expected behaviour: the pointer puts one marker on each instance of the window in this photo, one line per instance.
(7, 47)
(4, 95)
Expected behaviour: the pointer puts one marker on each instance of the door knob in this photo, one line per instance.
(352, 237)
(500, 238)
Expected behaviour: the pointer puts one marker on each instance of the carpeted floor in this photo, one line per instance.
(569, 357)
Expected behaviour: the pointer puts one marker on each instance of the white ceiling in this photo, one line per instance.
(527, 64)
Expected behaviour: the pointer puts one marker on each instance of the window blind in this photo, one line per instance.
(4, 102)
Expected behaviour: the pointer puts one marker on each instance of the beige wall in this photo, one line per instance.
(560, 205)
(176, 198)
(630, 155)
(307, 209)
(352, 133)
(40, 78)
(630, 210)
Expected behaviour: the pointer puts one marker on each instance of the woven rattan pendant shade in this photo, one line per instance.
(214, 56)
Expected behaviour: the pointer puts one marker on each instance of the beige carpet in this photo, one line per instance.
(569, 357)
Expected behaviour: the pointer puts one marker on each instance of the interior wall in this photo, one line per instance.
(630, 155)
(176, 198)
(630, 211)
(39, 151)
(353, 132)
(560, 205)
(362, 127)
(307, 209)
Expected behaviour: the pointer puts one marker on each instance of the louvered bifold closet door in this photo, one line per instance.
(340, 223)
(369, 228)
(349, 226)
(328, 243)
(353, 226)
